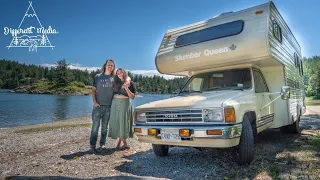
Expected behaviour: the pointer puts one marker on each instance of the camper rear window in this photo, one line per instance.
(215, 32)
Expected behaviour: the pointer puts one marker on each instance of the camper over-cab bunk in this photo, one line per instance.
(245, 76)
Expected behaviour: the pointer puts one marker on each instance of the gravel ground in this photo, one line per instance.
(62, 153)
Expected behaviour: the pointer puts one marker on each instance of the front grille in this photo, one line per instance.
(174, 115)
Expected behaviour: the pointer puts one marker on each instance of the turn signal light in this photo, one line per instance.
(214, 132)
(229, 114)
(184, 132)
(152, 132)
(137, 130)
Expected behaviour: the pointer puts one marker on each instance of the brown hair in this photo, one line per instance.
(104, 67)
(125, 75)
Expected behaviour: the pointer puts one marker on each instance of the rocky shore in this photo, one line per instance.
(25, 90)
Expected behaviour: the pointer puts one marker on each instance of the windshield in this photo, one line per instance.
(237, 79)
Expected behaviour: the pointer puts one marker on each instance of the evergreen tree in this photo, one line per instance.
(62, 75)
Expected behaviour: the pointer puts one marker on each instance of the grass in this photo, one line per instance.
(72, 87)
(51, 128)
(312, 101)
(312, 98)
(273, 172)
(42, 85)
(315, 142)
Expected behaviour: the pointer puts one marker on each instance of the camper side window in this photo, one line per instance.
(211, 33)
(301, 68)
(277, 31)
(259, 82)
(298, 64)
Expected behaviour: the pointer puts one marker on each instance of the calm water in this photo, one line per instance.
(27, 109)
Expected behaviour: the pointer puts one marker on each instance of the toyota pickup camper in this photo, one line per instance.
(245, 76)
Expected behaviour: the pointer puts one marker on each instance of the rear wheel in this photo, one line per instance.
(160, 150)
(243, 153)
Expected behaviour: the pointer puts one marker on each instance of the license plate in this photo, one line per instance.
(170, 135)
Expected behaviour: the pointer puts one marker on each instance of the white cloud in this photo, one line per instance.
(142, 72)
(74, 66)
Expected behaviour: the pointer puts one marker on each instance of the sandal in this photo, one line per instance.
(124, 148)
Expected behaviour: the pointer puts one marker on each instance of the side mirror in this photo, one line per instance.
(285, 92)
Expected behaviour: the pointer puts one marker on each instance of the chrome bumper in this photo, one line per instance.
(198, 138)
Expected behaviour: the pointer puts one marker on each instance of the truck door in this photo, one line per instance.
(265, 114)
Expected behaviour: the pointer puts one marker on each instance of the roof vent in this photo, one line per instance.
(222, 14)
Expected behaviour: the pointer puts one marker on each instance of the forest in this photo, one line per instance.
(14, 74)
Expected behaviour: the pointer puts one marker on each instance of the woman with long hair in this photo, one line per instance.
(102, 94)
(121, 110)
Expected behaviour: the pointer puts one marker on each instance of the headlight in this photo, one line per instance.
(212, 114)
(141, 117)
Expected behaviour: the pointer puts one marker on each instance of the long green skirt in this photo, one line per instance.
(120, 124)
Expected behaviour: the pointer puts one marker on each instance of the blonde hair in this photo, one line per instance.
(125, 76)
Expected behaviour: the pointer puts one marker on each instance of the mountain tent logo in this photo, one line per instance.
(31, 37)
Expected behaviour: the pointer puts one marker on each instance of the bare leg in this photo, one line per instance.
(125, 145)
(119, 143)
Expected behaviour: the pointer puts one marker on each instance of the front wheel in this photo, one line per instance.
(243, 153)
(160, 150)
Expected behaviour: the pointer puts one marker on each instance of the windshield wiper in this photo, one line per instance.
(225, 88)
(192, 91)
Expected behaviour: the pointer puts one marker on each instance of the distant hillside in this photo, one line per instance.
(36, 79)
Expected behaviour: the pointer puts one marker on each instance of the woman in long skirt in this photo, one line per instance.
(120, 125)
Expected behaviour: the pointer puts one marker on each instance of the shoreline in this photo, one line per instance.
(66, 122)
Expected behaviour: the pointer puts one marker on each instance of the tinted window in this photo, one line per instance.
(298, 63)
(215, 32)
(301, 68)
(277, 31)
(259, 83)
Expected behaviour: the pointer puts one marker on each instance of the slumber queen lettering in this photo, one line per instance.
(206, 52)
(187, 56)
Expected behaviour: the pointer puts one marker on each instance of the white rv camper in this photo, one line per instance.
(239, 64)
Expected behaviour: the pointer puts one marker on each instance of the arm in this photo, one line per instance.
(94, 92)
(130, 94)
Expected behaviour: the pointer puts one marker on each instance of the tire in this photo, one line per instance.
(293, 128)
(244, 152)
(160, 150)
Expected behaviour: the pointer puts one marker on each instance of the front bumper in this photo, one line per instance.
(198, 137)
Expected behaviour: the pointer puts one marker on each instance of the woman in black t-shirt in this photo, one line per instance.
(121, 119)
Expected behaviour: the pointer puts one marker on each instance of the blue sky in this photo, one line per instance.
(130, 31)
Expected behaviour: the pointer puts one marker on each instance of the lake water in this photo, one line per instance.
(26, 109)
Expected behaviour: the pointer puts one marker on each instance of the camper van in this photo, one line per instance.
(245, 76)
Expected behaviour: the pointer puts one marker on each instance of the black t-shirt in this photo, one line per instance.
(118, 89)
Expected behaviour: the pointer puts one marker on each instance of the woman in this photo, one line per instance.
(121, 111)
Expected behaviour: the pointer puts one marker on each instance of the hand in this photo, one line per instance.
(127, 83)
(96, 104)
